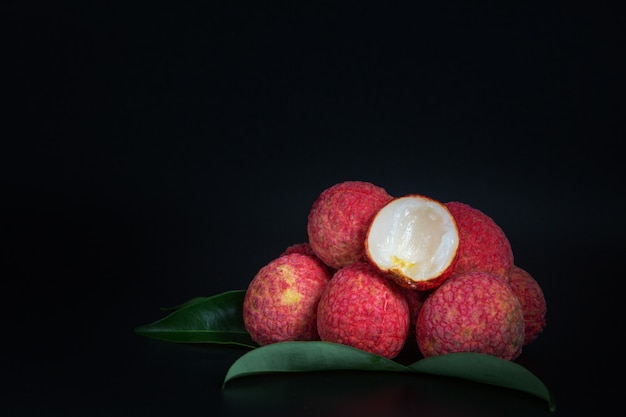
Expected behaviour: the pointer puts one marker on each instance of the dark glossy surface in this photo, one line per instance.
(154, 154)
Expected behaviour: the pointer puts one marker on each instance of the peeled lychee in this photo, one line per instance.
(339, 219)
(533, 302)
(471, 312)
(280, 303)
(414, 240)
(363, 309)
(483, 245)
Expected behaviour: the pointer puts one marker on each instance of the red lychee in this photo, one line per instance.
(483, 245)
(302, 247)
(415, 300)
(305, 249)
(533, 302)
(280, 303)
(413, 240)
(339, 219)
(363, 309)
(471, 312)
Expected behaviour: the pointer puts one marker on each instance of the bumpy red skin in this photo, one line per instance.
(415, 299)
(471, 312)
(533, 302)
(339, 219)
(302, 247)
(305, 249)
(483, 245)
(280, 303)
(363, 309)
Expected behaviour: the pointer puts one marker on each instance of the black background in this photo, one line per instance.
(157, 152)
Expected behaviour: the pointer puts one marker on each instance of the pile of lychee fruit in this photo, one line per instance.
(379, 271)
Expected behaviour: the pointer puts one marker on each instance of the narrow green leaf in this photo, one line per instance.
(300, 356)
(216, 319)
(185, 304)
(485, 369)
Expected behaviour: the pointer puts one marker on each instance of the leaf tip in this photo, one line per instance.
(551, 402)
(140, 330)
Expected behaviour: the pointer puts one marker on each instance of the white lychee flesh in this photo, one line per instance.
(415, 238)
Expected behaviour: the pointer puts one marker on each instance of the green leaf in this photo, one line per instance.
(485, 369)
(300, 356)
(325, 356)
(185, 304)
(216, 319)
(219, 319)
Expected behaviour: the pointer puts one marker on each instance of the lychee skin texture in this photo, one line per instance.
(483, 245)
(415, 300)
(363, 309)
(280, 303)
(471, 312)
(339, 218)
(305, 249)
(533, 302)
(302, 247)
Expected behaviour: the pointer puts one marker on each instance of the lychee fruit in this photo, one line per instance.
(413, 240)
(339, 219)
(302, 247)
(362, 308)
(305, 249)
(483, 245)
(471, 312)
(532, 299)
(280, 303)
(415, 300)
